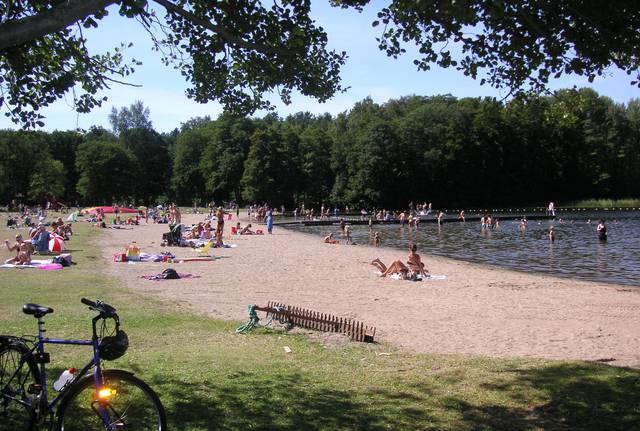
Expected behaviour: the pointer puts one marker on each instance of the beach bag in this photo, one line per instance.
(63, 259)
(169, 274)
(119, 257)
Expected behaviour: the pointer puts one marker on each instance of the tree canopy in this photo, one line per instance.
(514, 44)
(441, 149)
(237, 52)
(230, 52)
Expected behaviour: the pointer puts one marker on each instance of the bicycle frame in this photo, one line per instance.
(41, 358)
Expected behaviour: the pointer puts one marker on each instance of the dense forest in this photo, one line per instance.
(453, 152)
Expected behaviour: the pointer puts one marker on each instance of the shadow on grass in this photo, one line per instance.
(586, 397)
(287, 402)
(574, 397)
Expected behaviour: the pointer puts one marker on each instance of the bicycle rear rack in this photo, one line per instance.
(304, 318)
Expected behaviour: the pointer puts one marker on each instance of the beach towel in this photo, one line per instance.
(196, 259)
(34, 264)
(431, 277)
(158, 278)
(419, 277)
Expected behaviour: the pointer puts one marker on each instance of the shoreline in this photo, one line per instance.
(489, 266)
(477, 310)
(566, 265)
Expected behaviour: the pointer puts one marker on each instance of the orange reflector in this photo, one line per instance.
(106, 393)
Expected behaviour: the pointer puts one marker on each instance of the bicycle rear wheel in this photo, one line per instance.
(16, 411)
(130, 404)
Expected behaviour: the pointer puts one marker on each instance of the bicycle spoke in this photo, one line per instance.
(16, 412)
(131, 405)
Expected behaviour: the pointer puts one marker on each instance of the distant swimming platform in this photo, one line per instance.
(423, 219)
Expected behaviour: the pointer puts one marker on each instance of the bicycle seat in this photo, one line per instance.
(36, 310)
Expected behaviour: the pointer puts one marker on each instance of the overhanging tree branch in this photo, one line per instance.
(223, 32)
(16, 33)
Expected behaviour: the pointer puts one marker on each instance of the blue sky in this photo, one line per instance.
(368, 72)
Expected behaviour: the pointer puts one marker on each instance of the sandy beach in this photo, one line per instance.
(476, 310)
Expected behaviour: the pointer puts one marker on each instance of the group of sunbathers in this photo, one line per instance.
(413, 269)
(23, 249)
(38, 241)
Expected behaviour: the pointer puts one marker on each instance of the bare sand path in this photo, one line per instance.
(477, 310)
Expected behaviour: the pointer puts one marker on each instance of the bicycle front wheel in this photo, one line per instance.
(123, 402)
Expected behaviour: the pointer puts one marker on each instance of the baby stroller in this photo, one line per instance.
(173, 237)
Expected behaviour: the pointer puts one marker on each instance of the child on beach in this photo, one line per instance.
(376, 239)
(330, 240)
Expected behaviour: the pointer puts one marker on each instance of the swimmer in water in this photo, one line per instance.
(552, 234)
(602, 231)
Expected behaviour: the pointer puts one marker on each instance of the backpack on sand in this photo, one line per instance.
(169, 274)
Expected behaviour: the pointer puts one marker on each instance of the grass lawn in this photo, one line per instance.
(210, 378)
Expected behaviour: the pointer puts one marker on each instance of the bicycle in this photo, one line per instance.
(94, 399)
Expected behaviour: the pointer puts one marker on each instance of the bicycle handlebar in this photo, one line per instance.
(103, 308)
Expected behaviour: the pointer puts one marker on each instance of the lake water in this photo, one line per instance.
(576, 253)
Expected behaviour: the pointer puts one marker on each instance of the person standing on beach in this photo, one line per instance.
(269, 220)
(602, 231)
(347, 234)
(219, 226)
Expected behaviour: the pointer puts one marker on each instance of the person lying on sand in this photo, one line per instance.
(413, 267)
(247, 230)
(330, 240)
(396, 267)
